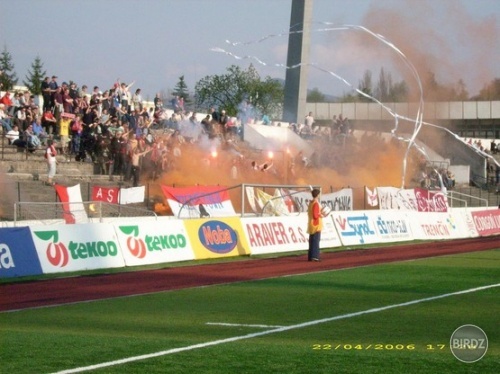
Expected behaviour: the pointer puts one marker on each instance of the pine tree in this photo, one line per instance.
(8, 78)
(181, 90)
(35, 77)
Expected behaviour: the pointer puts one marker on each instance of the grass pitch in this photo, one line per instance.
(309, 323)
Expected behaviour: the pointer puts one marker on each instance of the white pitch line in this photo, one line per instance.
(243, 325)
(268, 332)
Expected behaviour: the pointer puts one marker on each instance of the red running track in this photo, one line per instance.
(32, 294)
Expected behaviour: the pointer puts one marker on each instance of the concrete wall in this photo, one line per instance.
(449, 110)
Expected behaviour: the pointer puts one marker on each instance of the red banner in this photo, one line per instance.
(105, 194)
(430, 201)
(487, 222)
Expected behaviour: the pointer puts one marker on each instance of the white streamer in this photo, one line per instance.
(419, 115)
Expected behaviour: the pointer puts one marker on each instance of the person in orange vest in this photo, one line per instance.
(314, 225)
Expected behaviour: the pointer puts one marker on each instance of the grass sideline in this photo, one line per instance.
(411, 339)
(170, 265)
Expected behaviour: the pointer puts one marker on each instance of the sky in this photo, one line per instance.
(154, 42)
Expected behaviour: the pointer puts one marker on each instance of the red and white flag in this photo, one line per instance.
(371, 196)
(199, 201)
(105, 194)
(73, 209)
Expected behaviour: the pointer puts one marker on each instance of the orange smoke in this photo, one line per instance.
(369, 161)
(440, 39)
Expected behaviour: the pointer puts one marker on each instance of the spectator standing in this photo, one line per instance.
(137, 99)
(53, 87)
(493, 147)
(64, 124)
(82, 92)
(223, 120)
(50, 156)
(46, 94)
(106, 102)
(67, 101)
(309, 122)
(58, 101)
(175, 103)
(136, 164)
(215, 115)
(73, 92)
(158, 102)
(205, 123)
(125, 97)
(76, 135)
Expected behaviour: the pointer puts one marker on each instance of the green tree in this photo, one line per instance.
(460, 91)
(383, 86)
(366, 86)
(181, 90)
(434, 91)
(35, 77)
(349, 97)
(229, 91)
(316, 96)
(398, 92)
(8, 78)
(490, 91)
(388, 91)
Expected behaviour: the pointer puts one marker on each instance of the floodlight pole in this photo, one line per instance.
(299, 43)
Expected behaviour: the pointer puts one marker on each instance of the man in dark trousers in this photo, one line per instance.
(314, 226)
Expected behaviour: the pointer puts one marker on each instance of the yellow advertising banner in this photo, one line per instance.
(217, 237)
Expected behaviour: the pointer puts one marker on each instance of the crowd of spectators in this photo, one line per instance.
(125, 136)
(113, 128)
(493, 149)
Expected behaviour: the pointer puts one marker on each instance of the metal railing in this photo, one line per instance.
(270, 202)
(466, 197)
(189, 202)
(80, 212)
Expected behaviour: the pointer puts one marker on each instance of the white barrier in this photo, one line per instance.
(429, 226)
(61, 248)
(64, 248)
(154, 243)
(285, 234)
(369, 227)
